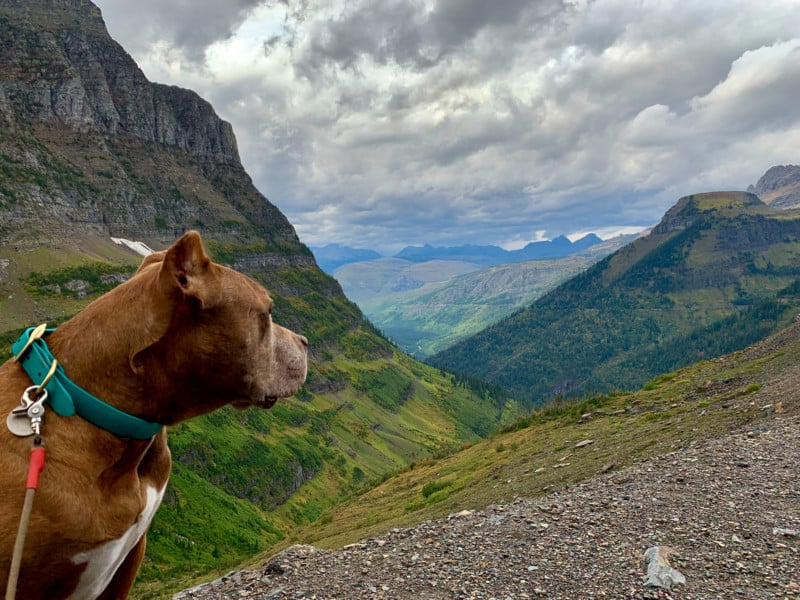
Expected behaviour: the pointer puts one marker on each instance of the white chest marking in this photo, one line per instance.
(102, 562)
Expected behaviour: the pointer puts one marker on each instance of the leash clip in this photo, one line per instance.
(36, 411)
(26, 419)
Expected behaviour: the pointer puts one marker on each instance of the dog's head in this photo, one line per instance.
(210, 335)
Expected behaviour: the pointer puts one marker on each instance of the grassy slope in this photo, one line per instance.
(540, 455)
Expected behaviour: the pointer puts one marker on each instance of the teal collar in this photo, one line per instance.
(68, 399)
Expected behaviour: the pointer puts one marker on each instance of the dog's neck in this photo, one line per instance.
(95, 351)
(89, 350)
(119, 341)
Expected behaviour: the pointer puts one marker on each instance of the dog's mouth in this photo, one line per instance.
(266, 402)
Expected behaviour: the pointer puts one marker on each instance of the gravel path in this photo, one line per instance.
(729, 510)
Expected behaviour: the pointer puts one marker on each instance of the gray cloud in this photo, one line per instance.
(190, 25)
(413, 35)
(388, 123)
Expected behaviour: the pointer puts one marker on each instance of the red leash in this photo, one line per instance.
(35, 467)
(37, 463)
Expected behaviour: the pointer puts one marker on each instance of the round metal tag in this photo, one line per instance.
(19, 424)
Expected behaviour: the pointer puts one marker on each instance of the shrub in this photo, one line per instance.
(434, 486)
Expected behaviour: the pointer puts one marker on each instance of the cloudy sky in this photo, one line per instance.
(385, 123)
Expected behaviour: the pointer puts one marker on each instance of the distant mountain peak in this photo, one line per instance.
(690, 208)
(590, 237)
(779, 186)
(494, 255)
(332, 256)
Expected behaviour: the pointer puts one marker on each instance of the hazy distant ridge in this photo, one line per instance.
(487, 256)
(332, 256)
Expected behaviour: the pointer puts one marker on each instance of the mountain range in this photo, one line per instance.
(425, 307)
(486, 256)
(332, 256)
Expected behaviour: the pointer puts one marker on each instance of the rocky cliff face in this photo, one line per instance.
(779, 186)
(89, 146)
(60, 66)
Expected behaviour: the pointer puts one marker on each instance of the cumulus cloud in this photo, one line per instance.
(385, 123)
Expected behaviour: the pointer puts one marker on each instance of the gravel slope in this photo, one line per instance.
(729, 510)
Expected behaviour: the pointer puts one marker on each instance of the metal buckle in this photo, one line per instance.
(36, 334)
(40, 388)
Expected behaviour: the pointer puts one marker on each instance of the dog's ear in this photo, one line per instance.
(186, 270)
(187, 267)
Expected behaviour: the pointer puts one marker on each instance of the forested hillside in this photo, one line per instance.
(427, 306)
(719, 272)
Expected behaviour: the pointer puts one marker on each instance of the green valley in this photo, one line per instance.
(427, 306)
(567, 442)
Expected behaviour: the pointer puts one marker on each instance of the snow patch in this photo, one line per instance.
(138, 247)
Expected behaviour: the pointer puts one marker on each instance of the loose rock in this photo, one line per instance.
(585, 541)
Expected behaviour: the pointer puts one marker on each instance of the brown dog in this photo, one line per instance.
(182, 337)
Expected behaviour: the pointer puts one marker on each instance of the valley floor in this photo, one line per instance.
(729, 508)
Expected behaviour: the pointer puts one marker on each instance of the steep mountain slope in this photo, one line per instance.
(719, 272)
(89, 151)
(426, 307)
(779, 186)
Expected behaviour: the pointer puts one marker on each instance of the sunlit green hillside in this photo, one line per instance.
(719, 272)
(566, 442)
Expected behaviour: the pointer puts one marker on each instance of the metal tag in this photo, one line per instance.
(19, 424)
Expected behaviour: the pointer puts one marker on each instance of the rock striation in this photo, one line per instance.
(60, 66)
